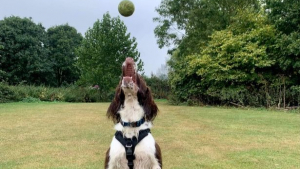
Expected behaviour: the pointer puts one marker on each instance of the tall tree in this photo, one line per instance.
(24, 52)
(63, 40)
(103, 50)
(285, 15)
(196, 20)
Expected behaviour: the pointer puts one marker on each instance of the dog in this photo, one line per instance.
(132, 111)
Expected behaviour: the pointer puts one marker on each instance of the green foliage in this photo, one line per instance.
(187, 24)
(103, 51)
(174, 14)
(6, 94)
(295, 94)
(237, 54)
(42, 93)
(31, 100)
(30, 93)
(285, 16)
(85, 94)
(63, 40)
(232, 52)
(24, 52)
(159, 87)
(236, 66)
(199, 20)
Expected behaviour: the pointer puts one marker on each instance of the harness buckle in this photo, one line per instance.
(134, 124)
(128, 146)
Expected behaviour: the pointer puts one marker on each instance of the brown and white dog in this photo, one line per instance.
(133, 110)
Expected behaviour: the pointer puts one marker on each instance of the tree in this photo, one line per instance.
(285, 16)
(187, 24)
(103, 51)
(237, 58)
(196, 20)
(63, 40)
(24, 52)
(238, 53)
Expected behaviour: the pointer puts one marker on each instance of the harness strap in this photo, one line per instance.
(130, 143)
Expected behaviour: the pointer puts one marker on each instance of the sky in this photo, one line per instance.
(82, 14)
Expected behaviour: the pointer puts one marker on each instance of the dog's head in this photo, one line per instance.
(132, 86)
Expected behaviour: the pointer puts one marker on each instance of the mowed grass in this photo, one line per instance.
(68, 136)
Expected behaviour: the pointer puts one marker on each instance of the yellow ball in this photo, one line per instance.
(126, 8)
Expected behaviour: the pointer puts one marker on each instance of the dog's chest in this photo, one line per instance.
(132, 111)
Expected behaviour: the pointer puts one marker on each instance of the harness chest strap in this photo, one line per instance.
(130, 144)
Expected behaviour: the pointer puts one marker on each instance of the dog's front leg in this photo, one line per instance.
(115, 156)
(156, 165)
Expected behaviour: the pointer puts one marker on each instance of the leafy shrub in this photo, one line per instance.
(173, 100)
(82, 94)
(6, 94)
(29, 93)
(31, 100)
(294, 93)
(159, 87)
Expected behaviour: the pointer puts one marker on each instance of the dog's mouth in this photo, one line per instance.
(128, 72)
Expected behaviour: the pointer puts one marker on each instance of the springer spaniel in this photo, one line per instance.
(132, 110)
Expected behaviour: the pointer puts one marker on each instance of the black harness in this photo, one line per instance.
(130, 143)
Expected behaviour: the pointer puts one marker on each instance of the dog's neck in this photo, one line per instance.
(131, 111)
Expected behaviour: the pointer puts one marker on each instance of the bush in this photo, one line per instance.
(159, 87)
(82, 94)
(294, 94)
(29, 93)
(31, 100)
(6, 94)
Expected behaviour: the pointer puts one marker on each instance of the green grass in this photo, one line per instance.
(72, 135)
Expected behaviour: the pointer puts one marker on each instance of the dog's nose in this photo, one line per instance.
(129, 60)
(127, 82)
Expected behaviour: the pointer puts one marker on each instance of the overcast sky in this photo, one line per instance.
(82, 14)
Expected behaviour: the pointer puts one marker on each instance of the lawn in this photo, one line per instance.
(69, 135)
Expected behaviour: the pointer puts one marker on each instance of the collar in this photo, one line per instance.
(133, 124)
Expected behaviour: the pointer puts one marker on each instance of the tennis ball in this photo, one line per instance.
(126, 8)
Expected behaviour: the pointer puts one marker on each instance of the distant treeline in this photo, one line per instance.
(30, 55)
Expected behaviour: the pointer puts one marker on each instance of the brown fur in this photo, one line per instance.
(144, 97)
(158, 155)
(106, 159)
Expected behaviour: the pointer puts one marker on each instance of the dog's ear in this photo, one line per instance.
(146, 100)
(116, 104)
(149, 106)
